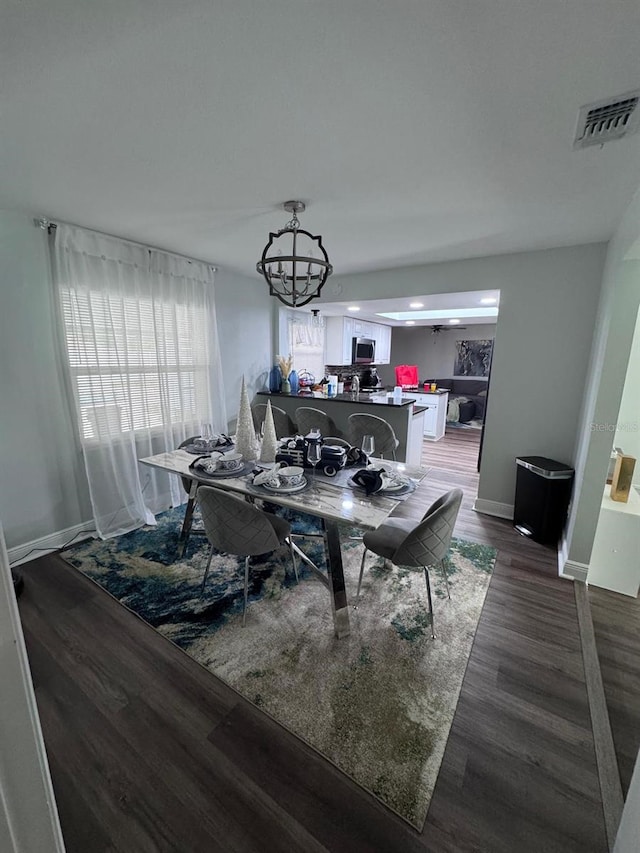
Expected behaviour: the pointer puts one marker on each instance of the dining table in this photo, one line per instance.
(331, 500)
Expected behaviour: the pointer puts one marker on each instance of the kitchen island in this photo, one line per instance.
(406, 419)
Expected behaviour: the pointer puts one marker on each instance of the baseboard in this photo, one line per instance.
(572, 569)
(45, 544)
(499, 510)
(606, 760)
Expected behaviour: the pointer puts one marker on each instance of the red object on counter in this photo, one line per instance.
(407, 375)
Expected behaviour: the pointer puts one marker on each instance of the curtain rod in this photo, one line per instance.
(50, 227)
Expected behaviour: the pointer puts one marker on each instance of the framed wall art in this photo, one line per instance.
(473, 358)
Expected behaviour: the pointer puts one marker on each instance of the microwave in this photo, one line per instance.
(363, 351)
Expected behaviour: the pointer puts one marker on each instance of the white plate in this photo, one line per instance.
(285, 490)
(396, 488)
(400, 488)
(194, 450)
(228, 472)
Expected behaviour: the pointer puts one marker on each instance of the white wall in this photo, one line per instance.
(627, 433)
(28, 814)
(616, 320)
(628, 837)
(548, 302)
(243, 307)
(43, 488)
(434, 354)
(42, 483)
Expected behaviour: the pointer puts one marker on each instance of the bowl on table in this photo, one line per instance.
(230, 462)
(292, 475)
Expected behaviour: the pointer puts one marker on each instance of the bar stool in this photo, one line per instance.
(382, 432)
(307, 418)
(281, 420)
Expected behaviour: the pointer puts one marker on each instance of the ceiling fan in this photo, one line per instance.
(435, 330)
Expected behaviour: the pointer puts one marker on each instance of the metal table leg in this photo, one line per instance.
(188, 520)
(337, 589)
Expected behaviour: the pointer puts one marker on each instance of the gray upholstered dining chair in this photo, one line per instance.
(417, 545)
(237, 527)
(281, 420)
(382, 432)
(307, 418)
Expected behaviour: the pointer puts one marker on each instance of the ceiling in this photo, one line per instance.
(440, 308)
(416, 131)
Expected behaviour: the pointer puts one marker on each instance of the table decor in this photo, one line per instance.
(269, 444)
(246, 442)
(286, 366)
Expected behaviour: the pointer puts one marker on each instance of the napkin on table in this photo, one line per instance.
(374, 478)
(269, 477)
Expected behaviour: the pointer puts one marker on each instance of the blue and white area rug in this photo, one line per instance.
(379, 703)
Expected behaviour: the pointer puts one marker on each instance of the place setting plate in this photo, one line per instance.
(396, 490)
(195, 450)
(222, 473)
(284, 490)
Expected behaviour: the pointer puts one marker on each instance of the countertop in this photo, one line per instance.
(435, 393)
(361, 399)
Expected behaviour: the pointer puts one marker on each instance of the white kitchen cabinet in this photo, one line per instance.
(435, 418)
(340, 334)
(383, 343)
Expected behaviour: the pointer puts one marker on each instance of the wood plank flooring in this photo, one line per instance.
(616, 622)
(150, 752)
(456, 451)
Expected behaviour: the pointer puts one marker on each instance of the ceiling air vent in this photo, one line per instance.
(612, 118)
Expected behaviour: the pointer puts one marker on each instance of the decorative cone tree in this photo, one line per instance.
(246, 442)
(269, 441)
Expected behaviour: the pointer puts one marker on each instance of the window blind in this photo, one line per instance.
(135, 363)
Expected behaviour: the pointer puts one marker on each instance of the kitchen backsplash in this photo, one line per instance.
(346, 369)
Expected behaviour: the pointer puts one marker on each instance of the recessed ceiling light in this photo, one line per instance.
(416, 305)
(454, 321)
(488, 300)
(410, 322)
(353, 308)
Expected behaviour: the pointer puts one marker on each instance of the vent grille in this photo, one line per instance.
(605, 120)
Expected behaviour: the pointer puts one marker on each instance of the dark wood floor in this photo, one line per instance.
(616, 622)
(149, 752)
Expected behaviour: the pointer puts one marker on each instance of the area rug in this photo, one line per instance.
(379, 703)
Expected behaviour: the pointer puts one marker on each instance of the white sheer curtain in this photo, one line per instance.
(144, 366)
(306, 344)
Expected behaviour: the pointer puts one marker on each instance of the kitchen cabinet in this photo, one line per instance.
(383, 343)
(435, 418)
(340, 334)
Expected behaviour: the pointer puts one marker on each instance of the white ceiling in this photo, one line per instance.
(440, 306)
(417, 130)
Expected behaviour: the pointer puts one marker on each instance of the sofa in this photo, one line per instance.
(471, 395)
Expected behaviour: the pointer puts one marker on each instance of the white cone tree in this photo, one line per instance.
(246, 442)
(269, 441)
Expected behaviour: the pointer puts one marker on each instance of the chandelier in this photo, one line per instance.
(294, 263)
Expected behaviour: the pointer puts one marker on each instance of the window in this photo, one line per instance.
(306, 345)
(136, 363)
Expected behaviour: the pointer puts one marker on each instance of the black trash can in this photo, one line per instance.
(543, 491)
